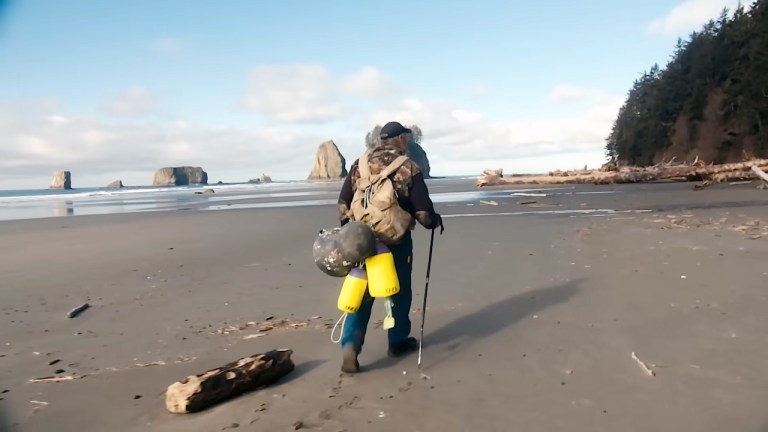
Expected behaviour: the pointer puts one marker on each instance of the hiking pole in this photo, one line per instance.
(426, 289)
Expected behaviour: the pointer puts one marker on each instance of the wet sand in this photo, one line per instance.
(534, 311)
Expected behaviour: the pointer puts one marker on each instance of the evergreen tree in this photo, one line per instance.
(725, 63)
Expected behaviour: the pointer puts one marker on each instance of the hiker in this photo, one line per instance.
(413, 197)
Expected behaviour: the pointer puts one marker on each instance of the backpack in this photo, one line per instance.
(375, 202)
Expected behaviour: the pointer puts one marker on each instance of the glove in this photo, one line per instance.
(439, 223)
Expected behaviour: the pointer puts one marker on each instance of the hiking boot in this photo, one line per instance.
(410, 344)
(349, 362)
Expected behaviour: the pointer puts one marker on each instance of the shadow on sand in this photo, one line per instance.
(488, 320)
(5, 419)
(300, 370)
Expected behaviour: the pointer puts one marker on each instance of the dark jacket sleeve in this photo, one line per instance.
(421, 203)
(345, 199)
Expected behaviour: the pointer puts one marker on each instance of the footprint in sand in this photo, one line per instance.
(350, 403)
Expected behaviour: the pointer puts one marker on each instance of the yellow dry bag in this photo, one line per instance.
(353, 290)
(382, 275)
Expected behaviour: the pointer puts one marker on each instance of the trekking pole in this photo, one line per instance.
(426, 289)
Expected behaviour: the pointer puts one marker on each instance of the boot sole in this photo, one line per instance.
(349, 363)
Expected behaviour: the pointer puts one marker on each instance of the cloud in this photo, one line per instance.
(458, 135)
(135, 101)
(168, 46)
(311, 94)
(689, 16)
(293, 94)
(301, 102)
(369, 82)
(32, 146)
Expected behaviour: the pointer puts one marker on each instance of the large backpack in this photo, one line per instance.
(375, 202)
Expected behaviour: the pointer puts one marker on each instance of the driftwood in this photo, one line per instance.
(78, 310)
(198, 392)
(55, 379)
(648, 371)
(762, 175)
(696, 171)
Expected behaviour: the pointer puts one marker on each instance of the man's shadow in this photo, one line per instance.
(488, 320)
(5, 418)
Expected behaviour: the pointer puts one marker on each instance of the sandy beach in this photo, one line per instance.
(538, 297)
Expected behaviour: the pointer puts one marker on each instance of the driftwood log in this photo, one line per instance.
(686, 172)
(198, 392)
(762, 175)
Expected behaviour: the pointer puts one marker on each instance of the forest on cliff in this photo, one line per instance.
(710, 101)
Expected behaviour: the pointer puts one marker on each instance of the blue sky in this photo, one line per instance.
(114, 90)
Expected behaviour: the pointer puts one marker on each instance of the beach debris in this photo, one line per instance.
(231, 426)
(266, 326)
(198, 392)
(37, 405)
(696, 171)
(154, 363)
(253, 336)
(137, 397)
(642, 365)
(527, 202)
(59, 371)
(78, 310)
(298, 425)
(761, 175)
(683, 277)
(425, 377)
(524, 194)
(53, 362)
(55, 379)
(490, 203)
(382, 414)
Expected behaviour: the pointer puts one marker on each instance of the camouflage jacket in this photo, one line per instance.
(408, 180)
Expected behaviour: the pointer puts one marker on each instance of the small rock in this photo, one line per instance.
(59, 371)
(298, 425)
(53, 362)
(137, 397)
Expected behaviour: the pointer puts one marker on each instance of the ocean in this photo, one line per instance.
(45, 203)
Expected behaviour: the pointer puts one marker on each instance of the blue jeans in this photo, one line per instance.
(356, 324)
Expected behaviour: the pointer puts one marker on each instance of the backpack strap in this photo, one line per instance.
(362, 165)
(394, 166)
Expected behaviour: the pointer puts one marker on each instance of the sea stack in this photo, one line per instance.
(329, 163)
(116, 184)
(180, 176)
(61, 180)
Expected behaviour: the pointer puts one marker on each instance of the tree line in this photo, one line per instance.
(711, 99)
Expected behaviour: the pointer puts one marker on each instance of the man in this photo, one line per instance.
(413, 197)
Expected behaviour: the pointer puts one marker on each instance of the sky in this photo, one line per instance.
(116, 90)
